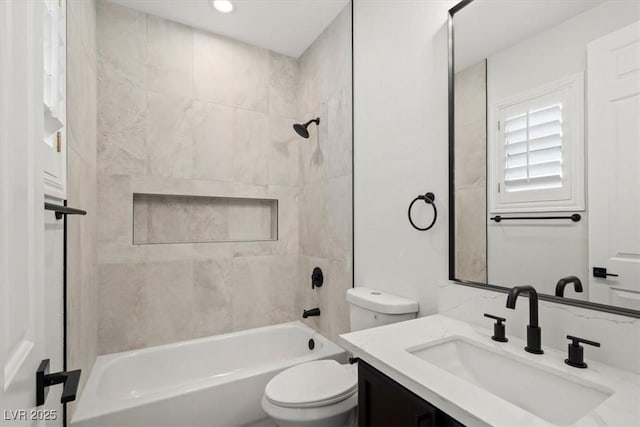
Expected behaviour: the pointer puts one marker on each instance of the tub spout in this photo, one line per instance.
(310, 313)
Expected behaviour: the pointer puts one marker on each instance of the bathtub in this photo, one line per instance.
(213, 381)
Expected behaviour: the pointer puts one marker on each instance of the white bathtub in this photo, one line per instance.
(214, 381)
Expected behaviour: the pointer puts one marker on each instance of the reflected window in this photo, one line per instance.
(534, 147)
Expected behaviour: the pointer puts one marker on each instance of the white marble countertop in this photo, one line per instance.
(384, 348)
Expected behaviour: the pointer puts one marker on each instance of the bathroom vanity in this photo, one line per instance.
(384, 402)
(437, 370)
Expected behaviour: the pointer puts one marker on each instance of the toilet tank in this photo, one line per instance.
(369, 308)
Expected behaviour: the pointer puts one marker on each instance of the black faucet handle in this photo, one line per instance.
(498, 318)
(577, 341)
(498, 328)
(576, 351)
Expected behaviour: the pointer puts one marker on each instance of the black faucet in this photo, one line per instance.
(310, 313)
(534, 333)
(577, 285)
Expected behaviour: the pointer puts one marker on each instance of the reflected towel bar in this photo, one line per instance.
(63, 210)
(574, 217)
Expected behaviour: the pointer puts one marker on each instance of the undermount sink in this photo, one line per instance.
(544, 393)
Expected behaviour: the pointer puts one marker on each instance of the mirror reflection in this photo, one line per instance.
(547, 147)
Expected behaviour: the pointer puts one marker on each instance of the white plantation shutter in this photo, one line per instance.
(537, 150)
(533, 149)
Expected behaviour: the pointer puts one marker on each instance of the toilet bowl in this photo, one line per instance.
(324, 393)
(314, 394)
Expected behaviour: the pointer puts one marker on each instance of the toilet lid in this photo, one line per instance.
(313, 384)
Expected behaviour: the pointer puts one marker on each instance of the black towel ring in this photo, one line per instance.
(428, 199)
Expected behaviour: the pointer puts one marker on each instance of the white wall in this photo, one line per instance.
(400, 145)
(400, 95)
(559, 248)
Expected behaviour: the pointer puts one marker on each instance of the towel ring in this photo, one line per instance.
(428, 199)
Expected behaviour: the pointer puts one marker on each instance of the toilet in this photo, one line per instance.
(324, 393)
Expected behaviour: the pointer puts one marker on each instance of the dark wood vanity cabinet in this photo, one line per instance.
(384, 402)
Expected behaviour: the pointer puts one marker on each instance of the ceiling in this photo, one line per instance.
(284, 26)
(488, 26)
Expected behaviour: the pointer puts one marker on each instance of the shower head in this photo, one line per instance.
(301, 129)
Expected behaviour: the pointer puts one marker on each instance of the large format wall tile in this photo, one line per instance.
(122, 307)
(283, 282)
(250, 147)
(314, 151)
(169, 306)
(121, 128)
(212, 292)
(213, 141)
(122, 44)
(213, 68)
(81, 281)
(314, 216)
(339, 277)
(339, 44)
(339, 119)
(250, 77)
(81, 95)
(314, 73)
(470, 155)
(471, 94)
(339, 223)
(169, 57)
(471, 256)
(84, 14)
(251, 301)
(115, 208)
(283, 151)
(169, 135)
(283, 85)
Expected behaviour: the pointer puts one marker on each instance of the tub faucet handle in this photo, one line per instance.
(317, 278)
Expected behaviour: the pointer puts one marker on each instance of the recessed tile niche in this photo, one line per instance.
(161, 218)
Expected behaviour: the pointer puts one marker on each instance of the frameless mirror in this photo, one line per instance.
(545, 145)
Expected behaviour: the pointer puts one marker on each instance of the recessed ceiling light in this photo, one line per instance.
(224, 6)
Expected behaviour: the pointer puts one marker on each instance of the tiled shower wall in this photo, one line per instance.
(81, 191)
(326, 166)
(185, 112)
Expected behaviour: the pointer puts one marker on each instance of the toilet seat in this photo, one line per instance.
(312, 385)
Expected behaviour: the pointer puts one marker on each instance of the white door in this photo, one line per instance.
(614, 166)
(22, 222)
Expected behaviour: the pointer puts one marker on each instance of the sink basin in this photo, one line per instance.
(543, 392)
